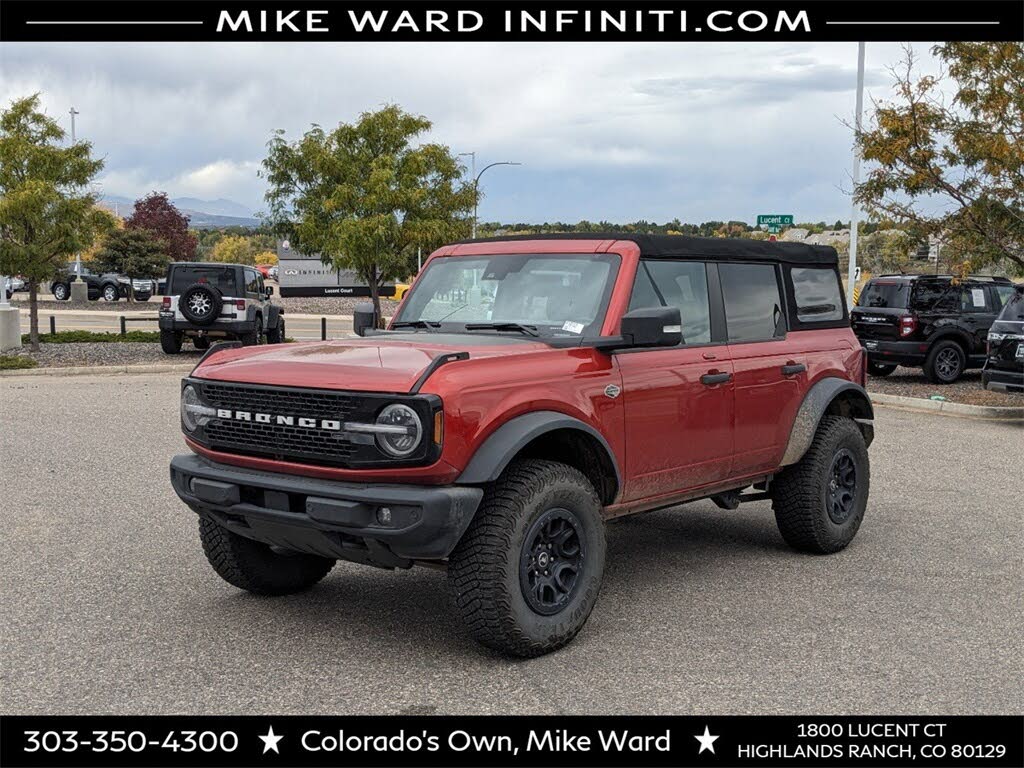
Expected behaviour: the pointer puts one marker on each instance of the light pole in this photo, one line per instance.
(476, 185)
(851, 275)
(78, 256)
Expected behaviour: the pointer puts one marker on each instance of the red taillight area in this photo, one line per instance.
(908, 324)
(240, 304)
(166, 303)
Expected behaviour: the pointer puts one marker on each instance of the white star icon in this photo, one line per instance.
(270, 741)
(707, 741)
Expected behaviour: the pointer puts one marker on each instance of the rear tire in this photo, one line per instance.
(170, 342)
(819, 502)
(880, 369)
(253, 566)
(945, 363)
(526, 574)
(201, 342)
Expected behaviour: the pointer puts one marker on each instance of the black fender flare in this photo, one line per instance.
(816, 404)
(953, 334)
(273, 313)
(498, 450)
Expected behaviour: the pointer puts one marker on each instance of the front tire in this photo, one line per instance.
(201, 342)
(253, 566)
(880, 369)
(276, 335)
(526, 574)
(111, 293)
(170, 342)
(819, 502)
(61, 291)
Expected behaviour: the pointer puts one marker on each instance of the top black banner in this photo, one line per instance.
(499, 21)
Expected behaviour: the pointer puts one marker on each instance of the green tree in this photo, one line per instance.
(234, 249)
(45, 213)
(953, 167)
(364, 198)
(137, 253)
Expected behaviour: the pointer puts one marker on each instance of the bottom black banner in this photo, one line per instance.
(511, 741)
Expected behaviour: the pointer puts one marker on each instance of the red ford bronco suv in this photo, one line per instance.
(527, 391)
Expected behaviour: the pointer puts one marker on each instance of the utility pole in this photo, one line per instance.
(851, 276)
(476, 187)
(74, 140)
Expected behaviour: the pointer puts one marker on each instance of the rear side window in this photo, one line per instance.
(885, 294)
(221, 278)
(930, 296)
(682, 284)
(818, 294)
(252, 281)
(753, 303)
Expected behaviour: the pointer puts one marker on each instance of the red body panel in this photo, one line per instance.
(671, 434)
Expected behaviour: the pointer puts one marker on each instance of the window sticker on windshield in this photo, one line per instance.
(978, 296)
(572, 327)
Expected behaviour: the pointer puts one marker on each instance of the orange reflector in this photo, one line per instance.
(438, 427)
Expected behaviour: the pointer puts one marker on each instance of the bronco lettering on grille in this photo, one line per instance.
(330, 425)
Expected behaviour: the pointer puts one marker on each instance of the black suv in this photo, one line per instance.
(109, 287)
(1004, 368)
(938, 322)
(207, 301)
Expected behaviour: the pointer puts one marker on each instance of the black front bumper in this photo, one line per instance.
(328, 518)
(895, 352)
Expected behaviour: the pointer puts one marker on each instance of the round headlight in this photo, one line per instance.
(194, 412)
(399, 430)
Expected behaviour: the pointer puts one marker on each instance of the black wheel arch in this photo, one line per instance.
(955, 335)
(829, 396)
(547, 435)
(274, 315)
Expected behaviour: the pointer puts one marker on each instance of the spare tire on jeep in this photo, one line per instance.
(200, 304)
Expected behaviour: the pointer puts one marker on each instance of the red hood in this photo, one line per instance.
(368, 365)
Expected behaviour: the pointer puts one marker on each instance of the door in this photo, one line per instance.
(678, 401)
(770, 372)
(979, 308)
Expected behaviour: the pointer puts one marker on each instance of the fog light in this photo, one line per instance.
(384, 515)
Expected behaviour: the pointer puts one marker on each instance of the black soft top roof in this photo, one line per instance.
(714, 248)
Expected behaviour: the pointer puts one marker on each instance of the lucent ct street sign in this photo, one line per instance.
(774, 222)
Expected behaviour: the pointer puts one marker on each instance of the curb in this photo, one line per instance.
(92, 370)
(946, 408)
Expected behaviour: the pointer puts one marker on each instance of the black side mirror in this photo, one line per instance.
(270, 291)
(363, 318)
(655, 327)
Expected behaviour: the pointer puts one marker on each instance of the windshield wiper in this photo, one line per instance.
(427, 324)
(529, 330)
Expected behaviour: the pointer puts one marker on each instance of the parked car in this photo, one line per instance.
(109, 286)
(274, 272)
(208, 301)
(264, 269)
(937, 322)
(1004, 366)
(529, 390)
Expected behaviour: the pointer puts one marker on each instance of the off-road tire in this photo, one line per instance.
(939, 358)
(251, 338)
(170, 342)
(880, 369)
(800, 492)
(201, 342)
(213, 302)
(275, 335)
(484, 569)
(61, 291)
(253, 566)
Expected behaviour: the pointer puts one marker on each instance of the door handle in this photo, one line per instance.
(792, 369)
(710, 379)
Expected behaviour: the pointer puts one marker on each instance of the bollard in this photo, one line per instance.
(323, 329)
(53, 325)
(124, 327)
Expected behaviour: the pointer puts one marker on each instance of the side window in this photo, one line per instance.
(252, 280)
(974, 298)
(753, 304)
(1004, 292)
(818, 294)
(932, 296)
(682, 284)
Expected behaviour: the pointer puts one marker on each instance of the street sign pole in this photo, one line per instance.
(851, 275)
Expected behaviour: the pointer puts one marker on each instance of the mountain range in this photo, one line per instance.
(202, 214)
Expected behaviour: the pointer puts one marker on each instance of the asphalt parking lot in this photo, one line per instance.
(108, 605)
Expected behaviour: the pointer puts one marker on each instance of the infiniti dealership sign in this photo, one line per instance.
(301, 274)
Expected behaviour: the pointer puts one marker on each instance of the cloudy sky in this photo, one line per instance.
(606, 131)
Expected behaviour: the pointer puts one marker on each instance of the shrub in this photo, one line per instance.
(82, 337)
(16, 362)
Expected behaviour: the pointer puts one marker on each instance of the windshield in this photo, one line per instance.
(553, 294)
(1014, 309)
(890, 293)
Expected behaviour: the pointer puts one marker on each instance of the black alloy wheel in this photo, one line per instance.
(947, 364)
(552, 558)
(842, 486)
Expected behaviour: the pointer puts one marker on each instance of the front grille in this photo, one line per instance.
(308, 445)
(281, 441)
